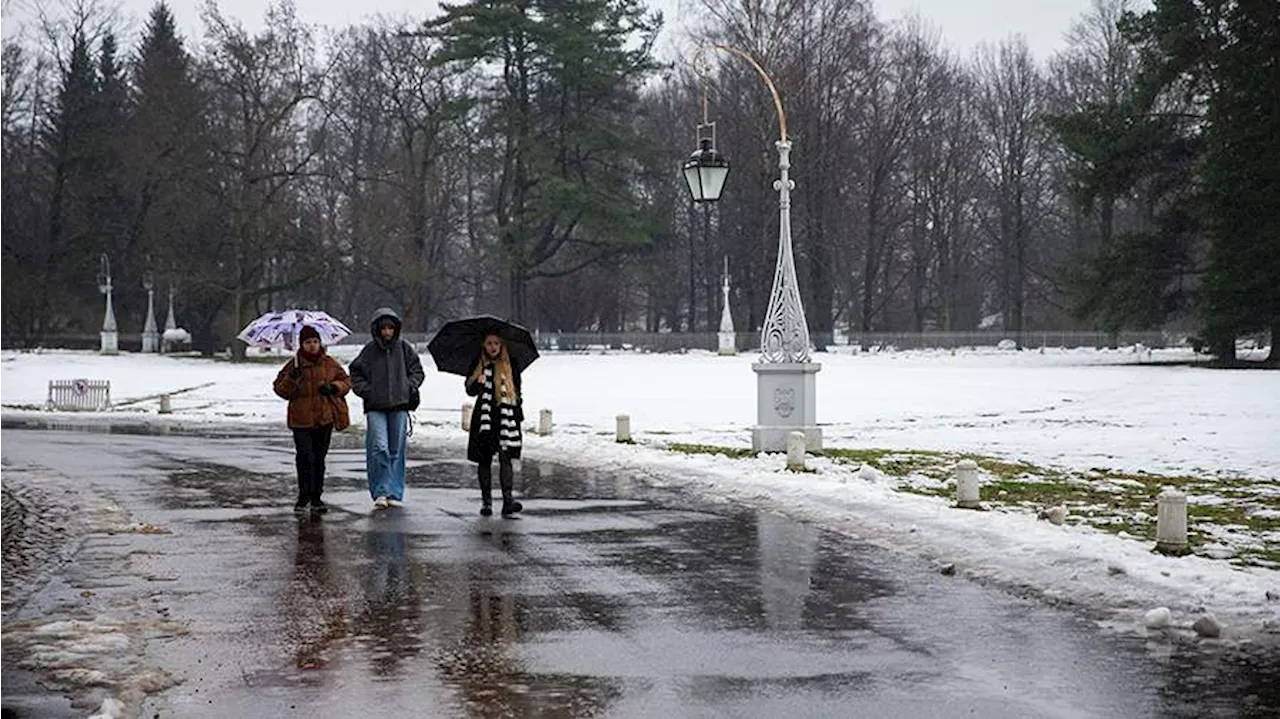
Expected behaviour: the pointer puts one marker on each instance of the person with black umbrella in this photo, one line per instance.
(495, 422)
(491, 353)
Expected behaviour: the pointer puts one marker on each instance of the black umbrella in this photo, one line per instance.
(456, 347)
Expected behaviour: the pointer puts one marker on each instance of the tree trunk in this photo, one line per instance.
(238, 316)
(1273, 358)
(519, 287)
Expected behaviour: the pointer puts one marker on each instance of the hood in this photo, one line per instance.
(380, 314)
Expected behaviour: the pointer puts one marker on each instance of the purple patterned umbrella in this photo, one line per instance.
(280, 329)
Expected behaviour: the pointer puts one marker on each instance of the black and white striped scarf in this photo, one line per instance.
(508, 427)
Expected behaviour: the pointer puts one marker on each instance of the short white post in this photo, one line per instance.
(467, 408)
(967, 484)
(1171, 522)
(165, 406)
(544, 422)
(795, 451)
(624, 428)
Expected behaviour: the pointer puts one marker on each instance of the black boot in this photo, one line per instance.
(317, 487)
(485, 474)
(304, 490)
(509, 505)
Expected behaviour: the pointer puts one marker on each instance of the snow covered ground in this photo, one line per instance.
(1069, 410)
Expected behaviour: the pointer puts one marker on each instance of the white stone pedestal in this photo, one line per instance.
(786, 401)
(110, 342)
(728, 344)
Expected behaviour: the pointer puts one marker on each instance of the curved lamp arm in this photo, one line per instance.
(768, 81)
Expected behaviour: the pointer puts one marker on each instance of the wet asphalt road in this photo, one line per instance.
(609, 598)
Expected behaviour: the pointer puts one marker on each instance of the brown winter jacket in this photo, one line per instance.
(307, 407)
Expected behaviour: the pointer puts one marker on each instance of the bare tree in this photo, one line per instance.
(261, 89)
(941, 185)
(397, 147)
(1012, 97)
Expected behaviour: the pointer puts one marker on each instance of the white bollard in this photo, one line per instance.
(795, 451)
(967, 484)
(165, 406)
(624, 428)
(544, 422)
(1171, 522)
(467, 408)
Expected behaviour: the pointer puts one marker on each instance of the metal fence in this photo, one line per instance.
(750, 341)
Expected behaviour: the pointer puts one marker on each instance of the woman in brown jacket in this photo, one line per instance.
(315, 385)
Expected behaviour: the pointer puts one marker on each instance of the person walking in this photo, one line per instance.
(315, 385)
(495, 422)
(386, 375)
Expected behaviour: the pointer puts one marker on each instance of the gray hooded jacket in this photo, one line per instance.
(386, 375)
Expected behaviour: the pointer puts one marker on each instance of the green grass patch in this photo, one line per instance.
(1105, 499)
(730, 452)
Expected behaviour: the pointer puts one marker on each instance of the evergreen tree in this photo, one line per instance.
(1135, 277)
(1241, 176)
(562, 112)
(167, 145)
(109, 194)
(1131, 164)
(1222, 57)
(72, 145)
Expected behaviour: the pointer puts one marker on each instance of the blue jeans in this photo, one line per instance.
(384, 439)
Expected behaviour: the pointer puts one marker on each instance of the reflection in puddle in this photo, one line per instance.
(390, 623)
(316, 614)
(788, 550)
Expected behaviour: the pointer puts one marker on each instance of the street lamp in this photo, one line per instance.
(706, 169)
(110, 336)
(786, 381)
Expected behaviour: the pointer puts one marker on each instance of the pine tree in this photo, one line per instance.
(1135, 277)
(110, 208)
(168, 157)
(1220, 59)
(166, 130)
(562, 110)
(72, 145)
(1241, 177)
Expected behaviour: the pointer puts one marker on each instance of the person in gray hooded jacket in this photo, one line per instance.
(386, 375)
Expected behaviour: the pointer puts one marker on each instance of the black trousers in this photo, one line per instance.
(505, 477)
(312, 444)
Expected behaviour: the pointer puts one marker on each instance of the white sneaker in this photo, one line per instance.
(380, 502)
(394, 502)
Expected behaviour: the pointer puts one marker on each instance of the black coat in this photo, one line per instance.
(482, 447)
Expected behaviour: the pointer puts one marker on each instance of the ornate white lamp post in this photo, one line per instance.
(786, 381)
(110, 336)
(150, 335)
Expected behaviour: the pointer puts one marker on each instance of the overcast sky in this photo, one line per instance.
(963, 23)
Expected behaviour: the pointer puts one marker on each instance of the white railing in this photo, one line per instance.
(91, 395)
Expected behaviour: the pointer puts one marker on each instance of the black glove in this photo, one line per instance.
(328, 389)
(295, 373)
